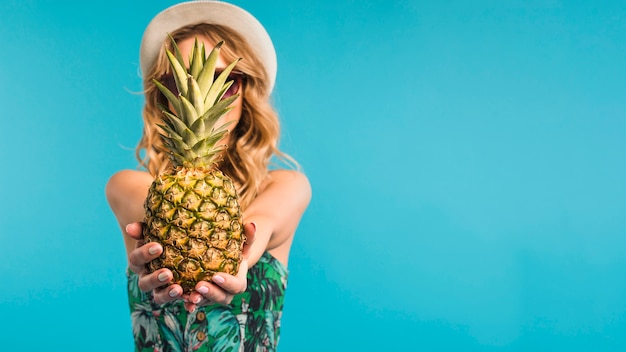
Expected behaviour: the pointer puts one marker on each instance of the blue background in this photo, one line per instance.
(467, 159)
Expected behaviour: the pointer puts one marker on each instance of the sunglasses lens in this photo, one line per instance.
(170, 83)
(234, 88)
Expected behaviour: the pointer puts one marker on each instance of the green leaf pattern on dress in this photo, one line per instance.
(250, 323)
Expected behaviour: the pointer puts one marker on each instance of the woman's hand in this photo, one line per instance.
(157, 281)
(223, 287)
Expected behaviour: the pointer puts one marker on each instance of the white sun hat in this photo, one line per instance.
(213, 12)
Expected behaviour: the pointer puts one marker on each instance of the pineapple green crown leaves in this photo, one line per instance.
(191, 134)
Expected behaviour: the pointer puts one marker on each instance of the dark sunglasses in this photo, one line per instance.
(236, 76)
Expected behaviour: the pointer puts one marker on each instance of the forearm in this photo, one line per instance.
(262, 236)
(276, 212)
(126, 192)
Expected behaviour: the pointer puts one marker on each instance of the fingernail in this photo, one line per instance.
(173, 293)
(154, 249)
(218, 279)
(203, 289)
(197, 300)
(163, 276)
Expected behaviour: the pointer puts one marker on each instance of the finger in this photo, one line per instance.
(188, 304)
(233, 284)
(168, 294)
(137, 269)
(243, 273)
(209, 292)
(134, 230)
(155, 280)
(190, 307)
(195, 300)
(250, 230)
(140, 256)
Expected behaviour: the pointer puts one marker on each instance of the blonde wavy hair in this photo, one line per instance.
(253, 141)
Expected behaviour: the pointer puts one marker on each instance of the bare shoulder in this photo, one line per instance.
(125, 183)
(294, 182)
(122, 175)
(285, 194)
(128, 178)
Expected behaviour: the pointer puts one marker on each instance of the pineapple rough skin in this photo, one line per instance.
(195, 215)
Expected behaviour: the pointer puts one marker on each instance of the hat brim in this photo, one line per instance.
(212, 12)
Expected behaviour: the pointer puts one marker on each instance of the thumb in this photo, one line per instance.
(134, 230)
(250, 231)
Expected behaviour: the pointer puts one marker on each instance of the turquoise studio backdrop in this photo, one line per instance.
(468, 163)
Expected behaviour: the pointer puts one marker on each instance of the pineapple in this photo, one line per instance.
(193, 210)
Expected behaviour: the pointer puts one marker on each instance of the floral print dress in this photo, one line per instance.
(250, 323)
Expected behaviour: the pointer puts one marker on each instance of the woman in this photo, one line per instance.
(240, 312)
